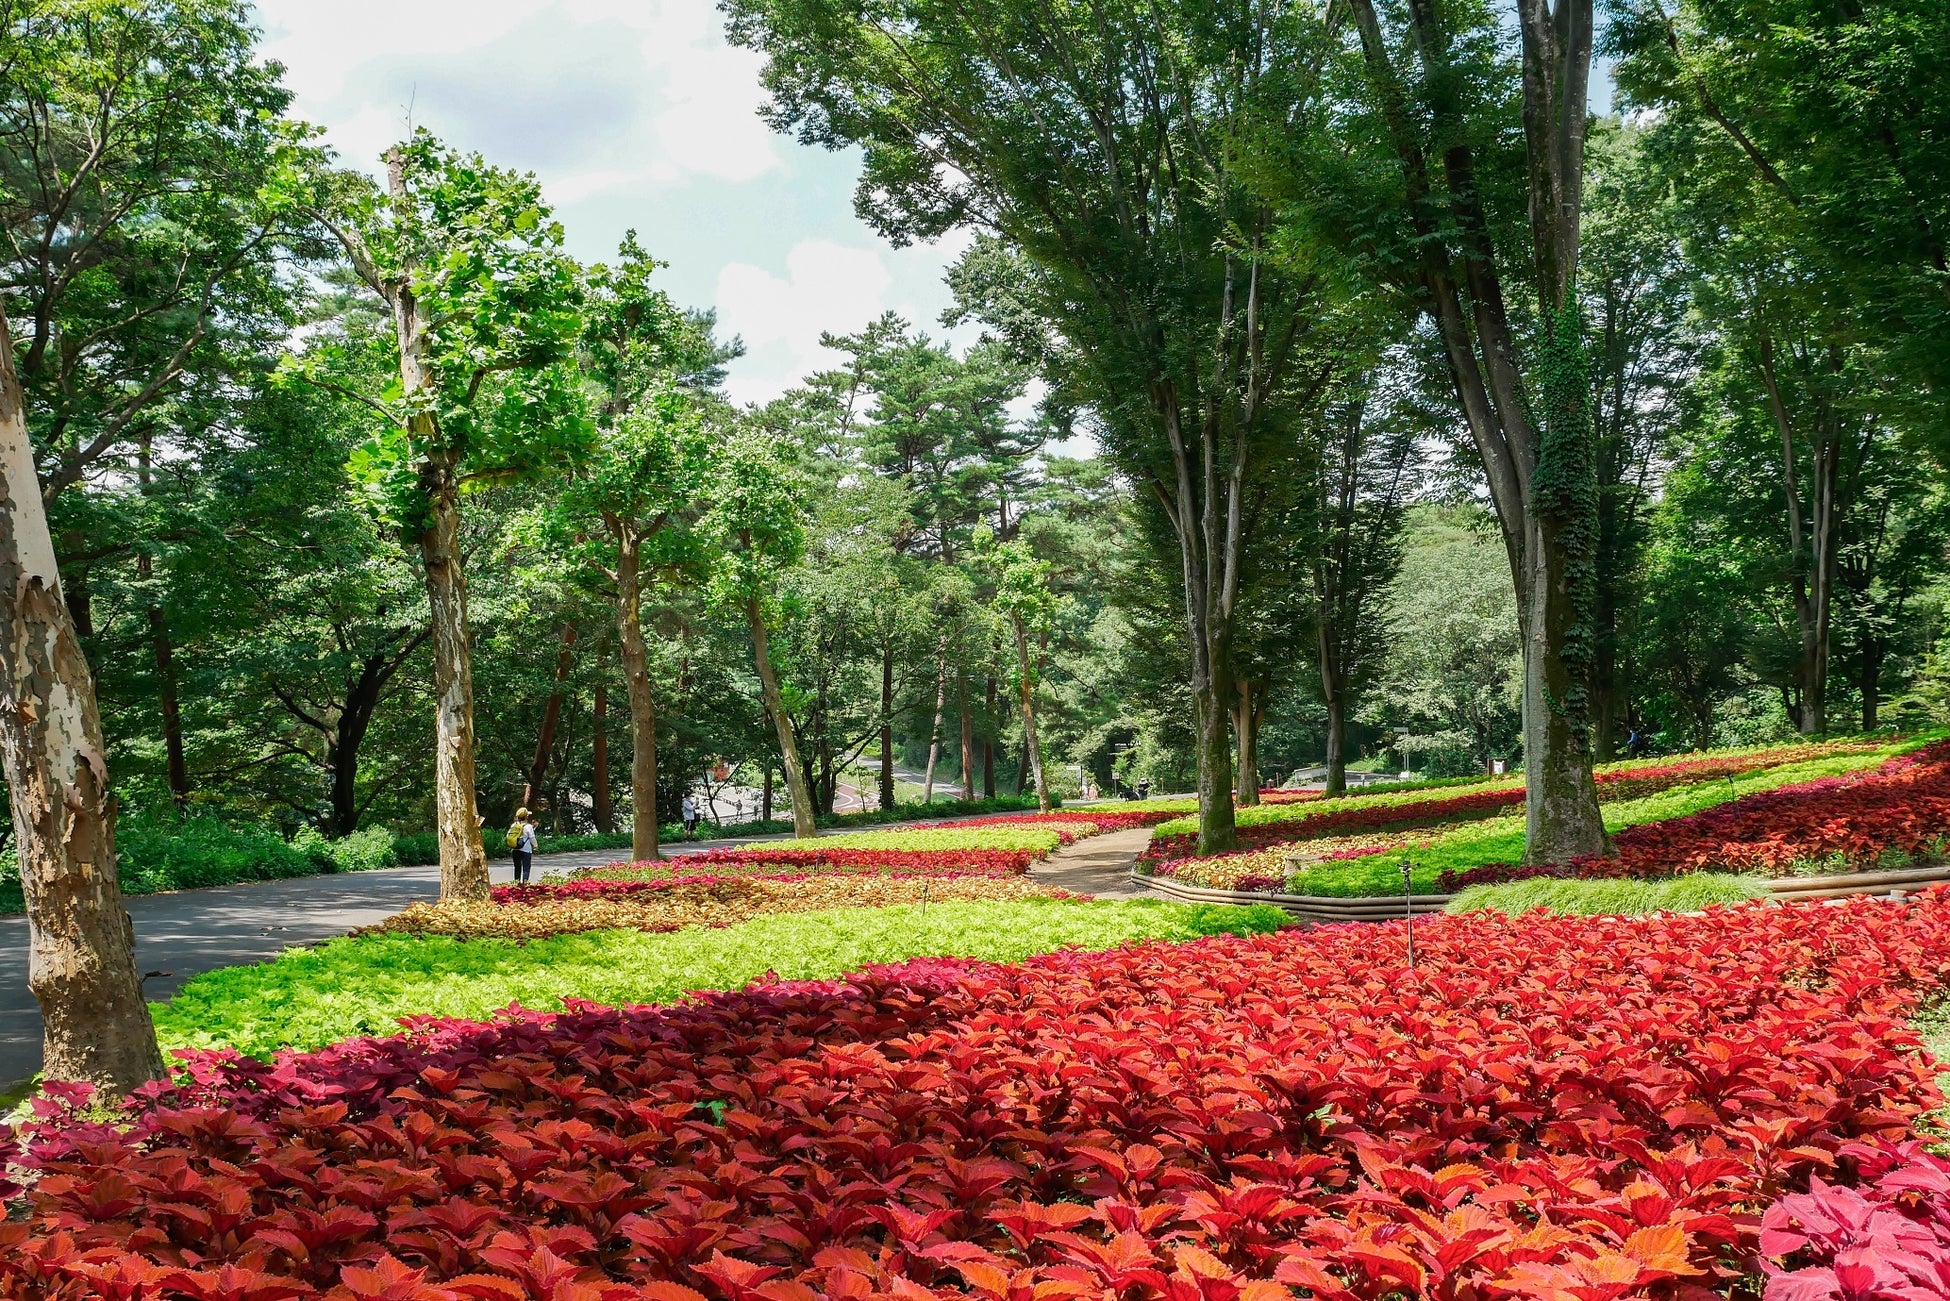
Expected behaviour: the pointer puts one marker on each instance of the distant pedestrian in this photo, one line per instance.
(521, 839)
(1635, 744)
(690, 818)
(1144, 790)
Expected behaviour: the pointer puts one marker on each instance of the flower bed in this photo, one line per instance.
(767, 860)
(1899, 811)
(533, 912)
(1424, 804)
(1569, 1107)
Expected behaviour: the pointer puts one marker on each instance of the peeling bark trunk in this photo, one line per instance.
(457, 820)
(81, 943)
(768, 678)
(551, 719)
(644, 828)
(1030, 744)
(600, 807)
(463, 860)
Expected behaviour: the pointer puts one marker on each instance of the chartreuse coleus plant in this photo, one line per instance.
(311, 997)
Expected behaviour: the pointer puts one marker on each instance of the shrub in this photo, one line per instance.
(1887, 1240)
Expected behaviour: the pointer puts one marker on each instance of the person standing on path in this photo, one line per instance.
(690, 818)
(527, 829)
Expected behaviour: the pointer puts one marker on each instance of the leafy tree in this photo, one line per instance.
(756, 524)
(1023, 598)
(486, 312)
(1441, 209)
(1095, 144)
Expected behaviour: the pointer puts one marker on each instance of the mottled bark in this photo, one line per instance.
(768, 679)
(81, 943)
(551, 719)
(463, 860)
(635, 654)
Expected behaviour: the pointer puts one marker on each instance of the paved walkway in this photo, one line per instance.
(1099, 866)
(187, 933)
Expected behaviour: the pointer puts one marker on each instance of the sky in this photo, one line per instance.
(634, 114)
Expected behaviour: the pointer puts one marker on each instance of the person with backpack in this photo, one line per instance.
(521, 839)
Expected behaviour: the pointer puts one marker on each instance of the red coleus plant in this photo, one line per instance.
(1572, 1107)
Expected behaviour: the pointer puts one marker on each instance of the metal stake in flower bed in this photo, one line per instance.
(1408, 906)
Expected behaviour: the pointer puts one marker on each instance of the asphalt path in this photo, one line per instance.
(189, 932)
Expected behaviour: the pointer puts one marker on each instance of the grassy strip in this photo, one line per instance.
(311, 997)
(1500, 840)
(1621, 898)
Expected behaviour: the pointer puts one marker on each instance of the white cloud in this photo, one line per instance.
(827, 287)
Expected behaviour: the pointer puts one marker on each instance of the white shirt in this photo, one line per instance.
(527, 841)
(690, 807)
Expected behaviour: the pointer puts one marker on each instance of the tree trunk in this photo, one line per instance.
(361, 702)
(644, 820)
(765, 797)
(463, 860)
(176, 767)
(551, 719)
(768, 678)
(1030, 744)
(988, 745)
(1333, 691)
(1245, 731)
(1871, 681)
(967, 737)
(81, 943)
(1532, 467)
(886, 727)
(1812, 542)
(599, 805)
(934, 732)
(457, 820)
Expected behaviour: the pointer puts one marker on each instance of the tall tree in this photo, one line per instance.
(756, 522)
(1095, 142)
(485, 309)
(1439, 94)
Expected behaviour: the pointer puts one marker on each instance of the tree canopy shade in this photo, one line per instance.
(1105, 155)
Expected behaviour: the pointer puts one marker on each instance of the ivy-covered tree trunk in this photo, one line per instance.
(644, 821)
(768, 680)
(81, 943)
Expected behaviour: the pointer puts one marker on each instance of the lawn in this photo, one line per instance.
(311, 997)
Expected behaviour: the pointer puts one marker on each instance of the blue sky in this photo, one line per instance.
(634, 113)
